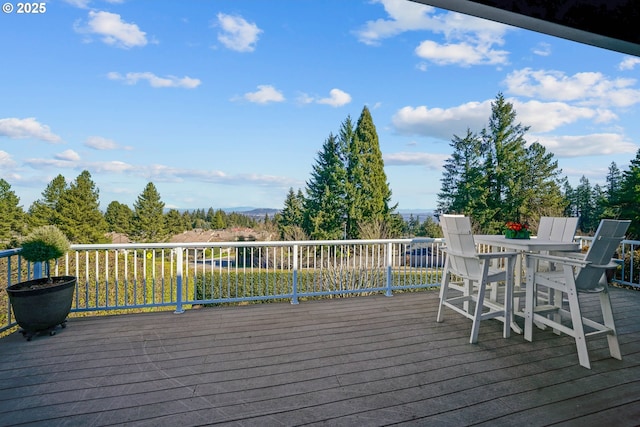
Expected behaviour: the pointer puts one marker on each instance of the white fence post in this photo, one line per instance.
(389, 262)
(294, 296)
(179, 254)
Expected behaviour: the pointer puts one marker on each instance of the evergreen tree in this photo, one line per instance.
(628, 197)
(569, 196)
(505, 165)
(463, 189)
(541, 186)
(148, 216)
(210, 215)
(496, 178)
(291, 218)
(219, 221)
(584, 202)
(430, 228)
(174, 222)
(44, 210)
(368, 192)
(612, 189)
(614, 180)
(11, 214)
(119, 218)
(78, 211)
(324, 205)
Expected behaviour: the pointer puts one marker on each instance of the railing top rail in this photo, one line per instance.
(244, 243)
(9, 252)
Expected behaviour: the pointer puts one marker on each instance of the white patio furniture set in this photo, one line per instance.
(556, 273)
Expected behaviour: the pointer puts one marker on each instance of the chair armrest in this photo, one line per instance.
(612, 264)
(483, 255)
(566, 260)
(497, 255)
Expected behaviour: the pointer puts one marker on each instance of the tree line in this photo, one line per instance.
(494, 176)
(75, 209)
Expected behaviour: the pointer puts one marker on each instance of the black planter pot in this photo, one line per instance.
(42, 309)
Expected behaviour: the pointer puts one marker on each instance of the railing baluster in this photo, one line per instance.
(179, 308)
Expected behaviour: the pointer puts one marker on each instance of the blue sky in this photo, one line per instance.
(226, 103)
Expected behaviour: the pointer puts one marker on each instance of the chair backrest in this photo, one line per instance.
(561, 229)
(605, 242)
(460, 246)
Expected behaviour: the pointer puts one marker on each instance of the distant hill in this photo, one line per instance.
(420, 214)
(257, 213)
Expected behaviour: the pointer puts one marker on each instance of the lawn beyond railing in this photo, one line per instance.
(147, 276)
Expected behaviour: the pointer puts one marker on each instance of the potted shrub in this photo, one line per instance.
(41, 304)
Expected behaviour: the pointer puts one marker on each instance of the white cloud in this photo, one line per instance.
(468, 40)
(404, 16)
(304, 98)
(431, 161)
(100, 143)
(585, 88)
(628, 63)
(26, 129)
(597, 144)
(237, 34)
(463, 54)
(113, 30)
(443, 123)
(68, 156)
(82, 4)
(6, 161)
(264, 95)
(112, 167)
(542, 49)
(337, 98)
(156, 81)
(548, 116)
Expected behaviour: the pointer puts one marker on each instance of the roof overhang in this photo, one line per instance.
(609, 24)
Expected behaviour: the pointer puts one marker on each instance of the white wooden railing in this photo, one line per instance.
(145, 276)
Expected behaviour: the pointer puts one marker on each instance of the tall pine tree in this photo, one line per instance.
(78, 211)
(324, 205)
(11, 213)
(148, 216)
(505, 164)
(368, 192)
(119, 218)
(44, 210)
(291, 218)
(463, 188)
(496, 178)
(628, 196)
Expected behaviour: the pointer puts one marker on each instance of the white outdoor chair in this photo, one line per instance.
(469, 272)
(562, 229)
(574, 274)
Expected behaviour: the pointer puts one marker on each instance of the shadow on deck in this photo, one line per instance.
(356, 361)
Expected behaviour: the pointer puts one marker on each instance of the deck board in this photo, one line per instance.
(349, 361)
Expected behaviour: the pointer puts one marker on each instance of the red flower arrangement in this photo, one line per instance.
(517, 226)
(517, 230)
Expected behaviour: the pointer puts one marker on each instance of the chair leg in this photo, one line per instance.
(508, 300)
(607, 315)
(444, 290)
(577, 326)
(475, 327)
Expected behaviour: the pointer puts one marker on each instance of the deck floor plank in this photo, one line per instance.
(347, 361)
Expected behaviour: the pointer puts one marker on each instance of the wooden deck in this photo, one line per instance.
(358, 361)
